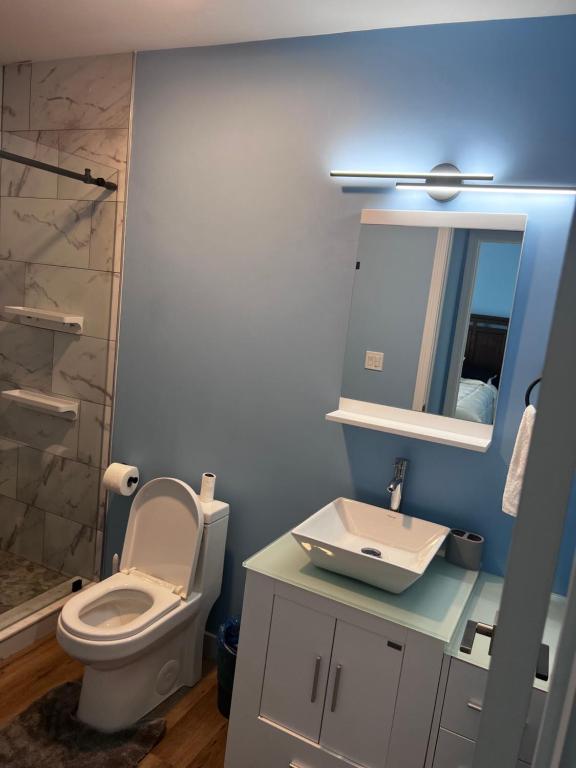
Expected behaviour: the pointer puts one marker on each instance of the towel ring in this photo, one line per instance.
(529, 390)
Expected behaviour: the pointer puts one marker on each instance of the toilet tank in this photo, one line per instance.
(208, 579)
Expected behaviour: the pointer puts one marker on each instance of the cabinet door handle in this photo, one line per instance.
(336, 687)
(317, 666)
(294, 764)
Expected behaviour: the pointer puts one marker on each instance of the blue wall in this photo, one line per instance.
(240, 259)
(496, 279)
(395, 262)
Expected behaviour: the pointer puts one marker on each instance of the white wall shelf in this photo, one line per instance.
(63, 407)
(46, 318)
(421, 426)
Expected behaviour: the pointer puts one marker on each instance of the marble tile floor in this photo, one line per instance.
(22, 581)
(37, 608)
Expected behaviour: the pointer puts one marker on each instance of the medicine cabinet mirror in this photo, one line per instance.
(431, 308)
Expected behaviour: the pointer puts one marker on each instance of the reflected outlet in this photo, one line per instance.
(374, 361)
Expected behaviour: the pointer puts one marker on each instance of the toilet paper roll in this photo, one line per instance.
(121, 478)
(207, 487)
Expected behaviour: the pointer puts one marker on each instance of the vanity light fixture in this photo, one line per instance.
(498, 188)
(446, 181)
(427, 176)
(440, 182)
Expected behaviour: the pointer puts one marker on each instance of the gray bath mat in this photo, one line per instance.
(48, 735)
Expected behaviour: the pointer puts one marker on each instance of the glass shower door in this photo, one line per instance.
(59, 276)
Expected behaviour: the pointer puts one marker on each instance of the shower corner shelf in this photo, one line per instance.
(47, 318)
(62, 407)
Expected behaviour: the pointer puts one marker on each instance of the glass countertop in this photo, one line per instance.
(483, 606)
(432, 606)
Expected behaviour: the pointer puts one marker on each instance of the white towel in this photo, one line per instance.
(517, 466)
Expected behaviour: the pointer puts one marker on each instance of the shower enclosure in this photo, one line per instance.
(60, 264)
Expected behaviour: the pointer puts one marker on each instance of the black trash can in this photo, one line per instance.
(227, 650)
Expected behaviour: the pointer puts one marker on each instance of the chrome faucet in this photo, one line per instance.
(397, 484)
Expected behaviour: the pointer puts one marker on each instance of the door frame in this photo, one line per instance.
(536, 541)
(462, 324)
(432, 318)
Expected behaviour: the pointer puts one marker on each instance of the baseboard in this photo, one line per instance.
(28, 631)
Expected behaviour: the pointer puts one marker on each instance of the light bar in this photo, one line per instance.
(500, 188)
(429, 175)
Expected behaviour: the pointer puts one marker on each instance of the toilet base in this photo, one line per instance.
(114, 697)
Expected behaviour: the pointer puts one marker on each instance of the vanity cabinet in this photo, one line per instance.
(333, 673)
(331, 682)
(323, 685)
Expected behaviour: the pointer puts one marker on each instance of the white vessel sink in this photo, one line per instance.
(375, 545)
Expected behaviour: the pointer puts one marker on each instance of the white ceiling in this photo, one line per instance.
(50, 29)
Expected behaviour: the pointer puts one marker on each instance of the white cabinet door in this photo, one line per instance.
(361, 696)
(297, 666)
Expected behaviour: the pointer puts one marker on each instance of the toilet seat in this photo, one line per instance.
(118, 607)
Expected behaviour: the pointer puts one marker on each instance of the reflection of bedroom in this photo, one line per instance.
(491, 308)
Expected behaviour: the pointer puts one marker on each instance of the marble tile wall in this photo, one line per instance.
(60, 249)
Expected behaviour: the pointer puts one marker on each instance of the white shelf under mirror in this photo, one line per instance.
(421, 426)
(62, 407)
(47, 318)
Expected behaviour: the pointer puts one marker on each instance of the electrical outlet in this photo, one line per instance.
(374, 361)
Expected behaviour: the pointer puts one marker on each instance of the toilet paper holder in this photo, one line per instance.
(121, 478)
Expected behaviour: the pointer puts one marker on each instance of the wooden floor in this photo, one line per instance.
(195, 730)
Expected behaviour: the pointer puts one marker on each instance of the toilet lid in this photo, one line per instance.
(165, 532)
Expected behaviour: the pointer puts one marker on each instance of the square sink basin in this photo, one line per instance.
(372, 544)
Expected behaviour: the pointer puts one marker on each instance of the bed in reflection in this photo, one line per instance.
(476, 401)
(481, 370)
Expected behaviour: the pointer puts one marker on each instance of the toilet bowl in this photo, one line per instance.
(140, 632)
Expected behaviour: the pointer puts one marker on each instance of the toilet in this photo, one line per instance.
(140, 632)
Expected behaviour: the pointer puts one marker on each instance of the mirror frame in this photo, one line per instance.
(428, 426)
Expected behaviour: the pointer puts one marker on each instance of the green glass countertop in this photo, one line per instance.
(432, 606)
(483, 606)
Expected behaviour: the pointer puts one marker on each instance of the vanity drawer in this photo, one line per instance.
(274, 747)
(463, 706)
(453, 751)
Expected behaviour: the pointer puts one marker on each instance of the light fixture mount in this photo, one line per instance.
(453, 178)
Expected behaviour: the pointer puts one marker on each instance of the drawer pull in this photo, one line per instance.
(478, 708)
(336, 688)
(314, 693)
(294, 764)
(474, 628)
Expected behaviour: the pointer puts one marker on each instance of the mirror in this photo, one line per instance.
(430, 313)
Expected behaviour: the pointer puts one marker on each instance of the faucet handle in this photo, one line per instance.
(400, 467)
